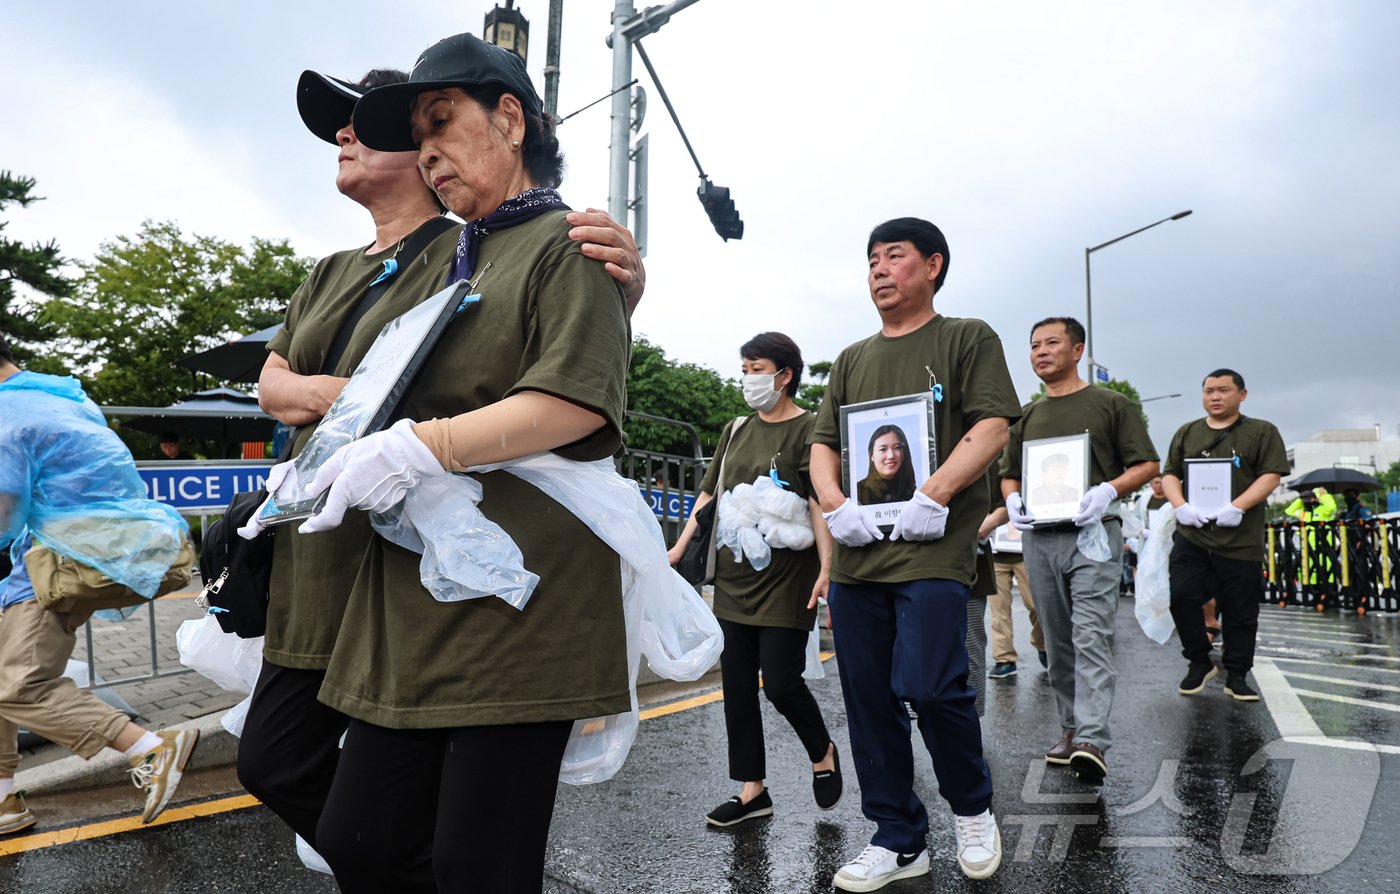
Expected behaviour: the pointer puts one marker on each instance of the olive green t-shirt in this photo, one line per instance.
(1260, 449)
(312, 574)
(1117, 435)
(967, 358)
(553, 321)
(776, 596)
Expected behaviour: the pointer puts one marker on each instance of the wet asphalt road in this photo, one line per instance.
(1177, 813)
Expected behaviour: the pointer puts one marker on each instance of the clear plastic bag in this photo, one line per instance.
(1093, 542)
(1152, 588)
(465, 554)
(230, 661)
(68, 478)
(310, 859)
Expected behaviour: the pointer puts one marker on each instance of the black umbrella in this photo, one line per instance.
(240, 360)
(1336, 479)
(219, 414)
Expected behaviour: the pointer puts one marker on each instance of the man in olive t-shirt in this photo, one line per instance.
(899, 603)
(1217, 555)
(1076, 593)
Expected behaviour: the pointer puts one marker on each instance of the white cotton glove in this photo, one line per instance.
(1021, 520)
(372, 474)
(1186, 514)
(1229, 517)
(924, 518)
(276, 476)
(1095, 502)
(850, 527)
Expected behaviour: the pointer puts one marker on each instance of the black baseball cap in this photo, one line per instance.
(463, 60)
(326, 103)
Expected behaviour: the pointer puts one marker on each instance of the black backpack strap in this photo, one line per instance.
(412, 246)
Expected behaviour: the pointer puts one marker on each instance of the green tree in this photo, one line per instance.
(148, 300)
(811, 394)
(1390, 478)
(36, 266)
(1122, 386)
(682, 391)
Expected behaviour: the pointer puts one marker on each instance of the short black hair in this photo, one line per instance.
(6, 354)
(1072, 326)
(169, 437)
(540, 149)
(1238, 379)
(782, 350)
(924, 236)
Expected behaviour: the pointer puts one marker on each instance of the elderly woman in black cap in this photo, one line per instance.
(290, 744)
(461, 712)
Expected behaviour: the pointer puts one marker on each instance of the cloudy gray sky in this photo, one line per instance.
(1025, 130)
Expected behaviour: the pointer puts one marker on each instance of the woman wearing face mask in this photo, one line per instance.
(767, 615)
(891, 476)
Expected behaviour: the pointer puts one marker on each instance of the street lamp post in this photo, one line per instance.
(1158, 397)
(1088, 288)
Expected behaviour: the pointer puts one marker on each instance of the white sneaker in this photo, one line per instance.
(979, 844)
(877, 867)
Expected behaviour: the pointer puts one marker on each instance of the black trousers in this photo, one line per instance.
(1236, 585)
(443, 810)
(290, 746)
(780, 653)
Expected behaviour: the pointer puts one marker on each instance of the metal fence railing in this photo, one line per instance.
(1348, 565)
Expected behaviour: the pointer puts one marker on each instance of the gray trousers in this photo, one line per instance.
(977, 649)
(1077, 599)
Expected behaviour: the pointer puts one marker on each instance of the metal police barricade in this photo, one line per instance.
(1348, 565)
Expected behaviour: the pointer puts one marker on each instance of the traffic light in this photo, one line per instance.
(720, 208)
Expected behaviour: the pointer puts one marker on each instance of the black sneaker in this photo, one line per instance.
(1004, 670)
(826, 784)
(1237, 687)
(735, 811)
(1044, 659)
(1199, 674)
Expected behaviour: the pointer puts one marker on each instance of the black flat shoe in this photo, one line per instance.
(826, 784)
(735, 811)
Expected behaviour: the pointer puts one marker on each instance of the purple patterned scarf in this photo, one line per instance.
(527, 206)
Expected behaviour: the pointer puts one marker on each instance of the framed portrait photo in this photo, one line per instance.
(888, 449)
(369, 399)
(1054, 476)
(1007, 539)
(1208, 484)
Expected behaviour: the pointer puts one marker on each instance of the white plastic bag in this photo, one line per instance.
(310, 859)
(666, 619)
(229, 661)
(1153, 585)
(754, 519)
(815, 670)
(1093, 542)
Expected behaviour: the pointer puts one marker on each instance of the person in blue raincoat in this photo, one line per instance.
(64, 478)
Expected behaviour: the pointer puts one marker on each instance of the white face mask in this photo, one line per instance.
(760, 391)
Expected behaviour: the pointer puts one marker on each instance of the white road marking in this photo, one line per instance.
(1342, 681)
(1290, 716)
(1348, 700)
(1334, 642)
(1335, 665)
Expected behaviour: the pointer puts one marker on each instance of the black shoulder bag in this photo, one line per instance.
(237, 572)
(697, 566)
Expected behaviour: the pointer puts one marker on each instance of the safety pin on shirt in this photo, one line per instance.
(773, 470)
(934, 386)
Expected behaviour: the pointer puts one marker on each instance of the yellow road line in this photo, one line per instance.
(124, 824)
(186, 812)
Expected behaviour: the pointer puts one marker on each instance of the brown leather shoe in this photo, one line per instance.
(1088, 762)
(1060, 754)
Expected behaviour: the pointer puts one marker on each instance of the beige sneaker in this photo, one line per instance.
(158, 772)
(14, 815)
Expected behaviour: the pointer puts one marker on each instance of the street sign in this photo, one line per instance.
(202, 485)
(1101, 375)
(670, 504)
